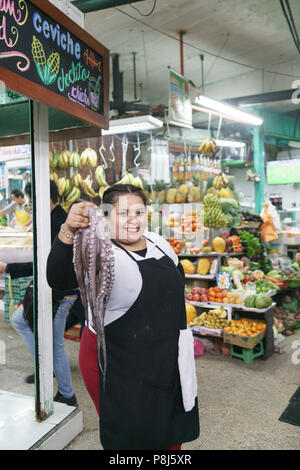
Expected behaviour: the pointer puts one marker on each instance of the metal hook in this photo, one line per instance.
(111, 148)
(151, 143)
(101, 150)
(138, 150)
(124, 152)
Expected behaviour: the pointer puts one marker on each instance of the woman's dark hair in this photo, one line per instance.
(17, 193)
(53, 192)
(112, 194)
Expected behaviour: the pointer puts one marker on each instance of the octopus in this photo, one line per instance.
(93, 261)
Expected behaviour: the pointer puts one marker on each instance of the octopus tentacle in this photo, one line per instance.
(93, 260)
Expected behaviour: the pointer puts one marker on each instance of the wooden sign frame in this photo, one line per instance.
(37, 92)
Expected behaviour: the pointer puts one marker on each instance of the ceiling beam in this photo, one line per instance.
(282, 95)
(86, 6)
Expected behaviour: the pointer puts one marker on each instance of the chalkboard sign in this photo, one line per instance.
(46, 49)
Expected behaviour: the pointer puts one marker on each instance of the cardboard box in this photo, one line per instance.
(247, 342)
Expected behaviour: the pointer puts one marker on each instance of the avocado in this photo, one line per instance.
(250, 301)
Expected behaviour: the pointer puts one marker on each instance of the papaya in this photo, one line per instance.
(203, 266)
(219, 244)
(191, 312)
(188, 266)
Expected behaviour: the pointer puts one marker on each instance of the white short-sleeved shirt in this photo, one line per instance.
(128, 280)
(126, 289)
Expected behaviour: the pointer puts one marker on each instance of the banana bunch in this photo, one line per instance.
(74, 161)
(51, 160)
(220, 181)
(138, 182)
(53, 176)
(102, 190)
(63, 186)
(89, 157)
(77, 180)
(73, 195)
(208, 146)
(64, 159)
(100, 175)
(128, 178)
(87, 187)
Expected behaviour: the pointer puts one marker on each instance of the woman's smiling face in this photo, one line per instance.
(127, 219)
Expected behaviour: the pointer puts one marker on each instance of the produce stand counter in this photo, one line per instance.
(236, 312)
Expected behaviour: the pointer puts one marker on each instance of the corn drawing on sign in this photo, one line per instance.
(47, 68)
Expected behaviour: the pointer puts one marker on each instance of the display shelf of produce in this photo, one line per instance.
(203, 331)
(200, 277)
(213, 253)
(235, 306)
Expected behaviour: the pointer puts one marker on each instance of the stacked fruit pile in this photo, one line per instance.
(214, 319)
(190, 221)
(245, 327)
(213, 215)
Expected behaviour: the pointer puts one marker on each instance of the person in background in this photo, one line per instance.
(62, 303)
(27, 191)
(18, 208)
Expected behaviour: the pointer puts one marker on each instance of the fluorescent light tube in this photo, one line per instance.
(133, 124)
(228, 111)
(229, 143)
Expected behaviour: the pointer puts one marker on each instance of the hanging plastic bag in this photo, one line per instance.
(271, 223)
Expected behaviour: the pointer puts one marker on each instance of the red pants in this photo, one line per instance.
(88, 363)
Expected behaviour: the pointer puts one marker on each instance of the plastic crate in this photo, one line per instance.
(247, 342)
(14, 294)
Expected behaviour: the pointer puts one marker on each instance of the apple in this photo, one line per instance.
(195, 290)
(205, 243)
(189, 297)
(196, 297)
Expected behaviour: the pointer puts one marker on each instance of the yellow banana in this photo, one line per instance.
(61, 185)
(89, 157)
(102, 190)
(100, 175)
(77, 180)
(138, 182)
(87, 187)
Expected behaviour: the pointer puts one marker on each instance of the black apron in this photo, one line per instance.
(141, 407)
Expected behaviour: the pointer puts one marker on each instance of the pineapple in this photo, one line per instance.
(194, 191)
(171, 194)
(182, 193)
(159, 188)
(146, 190)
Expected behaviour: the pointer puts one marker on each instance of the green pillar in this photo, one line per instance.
(259, 167)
